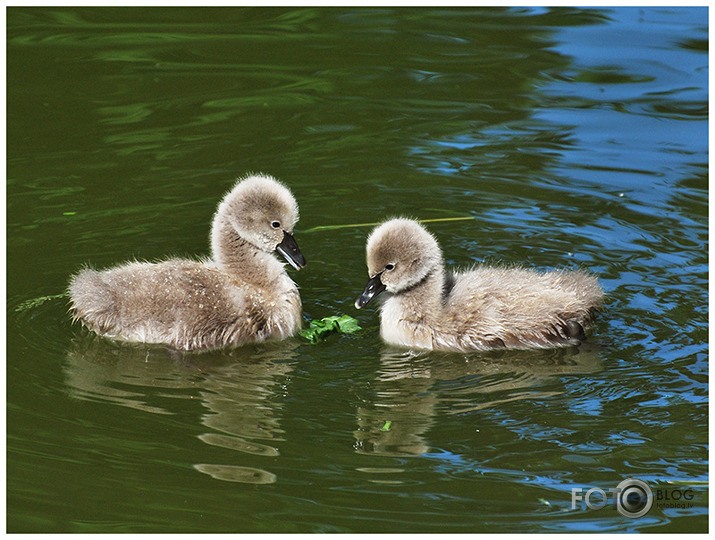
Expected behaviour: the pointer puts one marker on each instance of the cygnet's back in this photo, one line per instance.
(242, 294)
(480, 309)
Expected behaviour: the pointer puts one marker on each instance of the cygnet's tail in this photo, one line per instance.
(92, 300)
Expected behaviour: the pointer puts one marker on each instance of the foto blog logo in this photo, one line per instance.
(632, 498)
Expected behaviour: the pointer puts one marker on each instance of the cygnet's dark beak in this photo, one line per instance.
(290, 251)
(374, 287)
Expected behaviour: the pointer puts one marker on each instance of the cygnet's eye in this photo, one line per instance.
(389, 266)
(276, 224)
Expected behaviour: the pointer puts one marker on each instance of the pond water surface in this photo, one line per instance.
(570, 137)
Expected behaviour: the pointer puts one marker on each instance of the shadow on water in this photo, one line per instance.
(240, 390)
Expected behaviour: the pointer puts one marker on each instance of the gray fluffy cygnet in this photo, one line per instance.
(241, 294)
(480, 309)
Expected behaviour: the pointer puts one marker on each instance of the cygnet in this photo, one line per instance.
(241, 294)
(480, 309)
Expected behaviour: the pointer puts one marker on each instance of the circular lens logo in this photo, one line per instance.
(634, 498)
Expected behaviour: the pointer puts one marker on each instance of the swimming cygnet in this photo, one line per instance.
(479, 309)
(242, 294)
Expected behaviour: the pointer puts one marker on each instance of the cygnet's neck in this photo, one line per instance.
(424, 300)
(244, 261)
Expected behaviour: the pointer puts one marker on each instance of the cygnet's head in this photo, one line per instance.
(263, 212)
(400, 254)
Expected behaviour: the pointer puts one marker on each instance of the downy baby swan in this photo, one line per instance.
(480, 309)
(242, 294)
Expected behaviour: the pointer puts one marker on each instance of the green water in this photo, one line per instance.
(573, 137)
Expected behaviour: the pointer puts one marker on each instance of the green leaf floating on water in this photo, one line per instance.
(327, 325)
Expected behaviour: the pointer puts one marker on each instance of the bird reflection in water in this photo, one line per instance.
(241, 390)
